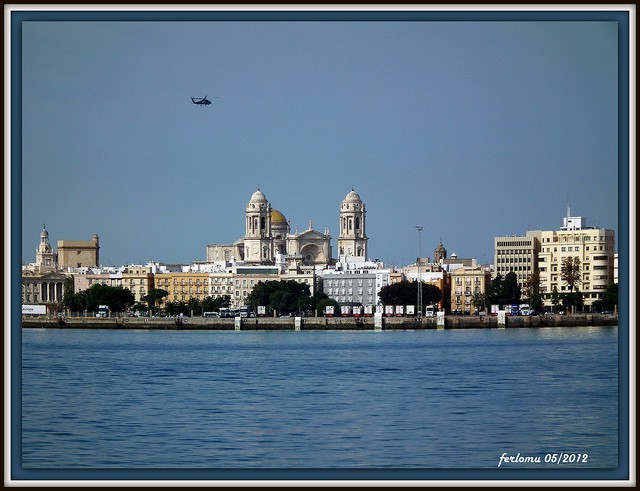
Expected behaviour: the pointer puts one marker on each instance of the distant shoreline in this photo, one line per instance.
(317, 323)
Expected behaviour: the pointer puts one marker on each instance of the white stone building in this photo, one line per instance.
(595, 249)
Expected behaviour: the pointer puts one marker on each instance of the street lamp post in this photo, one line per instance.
(419, 306)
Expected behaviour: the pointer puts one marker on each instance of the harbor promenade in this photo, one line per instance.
(318, 323)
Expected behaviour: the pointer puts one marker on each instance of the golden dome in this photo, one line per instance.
(277, 218)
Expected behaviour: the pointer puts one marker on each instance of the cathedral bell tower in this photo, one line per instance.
(352, 240)
(46, 259)
(258, 246)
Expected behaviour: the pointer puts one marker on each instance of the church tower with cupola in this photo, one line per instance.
(258, 243)
(46, 259)
(352, 240)
(439, 254)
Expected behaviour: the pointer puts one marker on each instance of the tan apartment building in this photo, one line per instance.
(138, 279)
(84, 281)
(465, 283)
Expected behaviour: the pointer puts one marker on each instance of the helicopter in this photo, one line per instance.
(201, 101)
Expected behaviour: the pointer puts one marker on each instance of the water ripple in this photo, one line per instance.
(313, 399)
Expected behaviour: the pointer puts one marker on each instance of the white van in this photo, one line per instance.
(103, 311)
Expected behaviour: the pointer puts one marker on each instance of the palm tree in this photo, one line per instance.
(570, 272)
(479, 301)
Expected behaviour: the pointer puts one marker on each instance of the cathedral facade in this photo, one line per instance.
(268, 238)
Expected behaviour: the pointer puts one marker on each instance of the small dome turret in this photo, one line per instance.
(258, 197)
(352, 196)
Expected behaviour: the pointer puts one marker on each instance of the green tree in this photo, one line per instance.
(555, 298)
(495, 295)
(176, 308)
(194, 305)
(322, 305)
(406, 293)
(479, 301)
(140, 307)
(319, 298)
(283, 297)
(504, 291)
(211, 304)
(532, 287)
(153, 296)
(611, 297)
(536, 302)
(116, 298)
(511, 290)
(73, 302)
(577, 299)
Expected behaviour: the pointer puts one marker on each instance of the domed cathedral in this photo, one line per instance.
(268, 234)
(352, 240)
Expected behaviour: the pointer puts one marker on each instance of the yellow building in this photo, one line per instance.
(138, 279)
(465, 283)
(183, 286)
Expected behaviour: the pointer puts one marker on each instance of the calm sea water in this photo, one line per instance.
(411, 399)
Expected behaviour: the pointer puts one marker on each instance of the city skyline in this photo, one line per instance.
(471, 130)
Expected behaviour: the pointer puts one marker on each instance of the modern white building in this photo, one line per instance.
(594, 248)
(354, 280)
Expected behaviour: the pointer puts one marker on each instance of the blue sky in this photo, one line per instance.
(470, 129)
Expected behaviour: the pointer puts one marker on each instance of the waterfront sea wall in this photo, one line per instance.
(317, 323)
